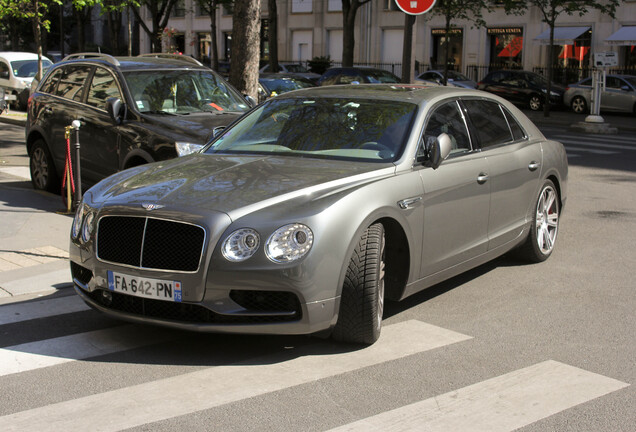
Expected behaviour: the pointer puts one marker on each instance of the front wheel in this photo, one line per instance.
(362, 300)
(534, 102)
(545, 225)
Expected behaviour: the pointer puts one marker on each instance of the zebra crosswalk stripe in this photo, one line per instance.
(215, 386)
(500, 404)
(18, 312)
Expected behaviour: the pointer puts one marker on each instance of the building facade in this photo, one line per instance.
(313, 28)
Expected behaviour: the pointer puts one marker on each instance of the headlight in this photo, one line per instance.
(241, 244)
(88, 226)
(289, 243)
(185, 148)
(77, 221)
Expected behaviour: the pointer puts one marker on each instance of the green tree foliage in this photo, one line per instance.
(160, 11)
(551, 10)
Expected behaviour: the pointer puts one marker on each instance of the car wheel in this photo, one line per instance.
(534, 102)
(545, 225)
(43, 174)
(362, 300)
(578, 105)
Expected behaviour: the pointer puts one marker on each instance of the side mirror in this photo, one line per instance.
(250, 100)
(116, 109)
(625, 88)
(217, 130)
(439, 150)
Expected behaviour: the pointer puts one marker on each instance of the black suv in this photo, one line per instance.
(134, 110)
(522, 88)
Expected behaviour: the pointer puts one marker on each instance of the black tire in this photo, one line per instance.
(362, 301)
(535, 102)
(578, 104)
(42, 168)
(545, 225)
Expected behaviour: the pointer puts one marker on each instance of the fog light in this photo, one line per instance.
(107, 298)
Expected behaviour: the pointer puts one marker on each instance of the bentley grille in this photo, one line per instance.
(150, 243)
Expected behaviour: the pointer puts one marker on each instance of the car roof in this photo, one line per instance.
(15, 55)
(415, 93)
(137, 63)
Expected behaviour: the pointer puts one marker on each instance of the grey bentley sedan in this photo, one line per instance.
(307, 213)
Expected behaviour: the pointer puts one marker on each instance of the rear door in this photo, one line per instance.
(514, 168)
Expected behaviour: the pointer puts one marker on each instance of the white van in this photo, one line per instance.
(17, 70)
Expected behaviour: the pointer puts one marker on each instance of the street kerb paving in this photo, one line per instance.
(33, 239)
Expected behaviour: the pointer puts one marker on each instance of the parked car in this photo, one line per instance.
(522, 88)
(275, 84)
(134, 110)
(359, 75)
(455, 79)
(619, 94)
(293, 68)
(315, 207)
(17, 70)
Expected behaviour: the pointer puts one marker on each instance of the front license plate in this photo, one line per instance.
(158, 289)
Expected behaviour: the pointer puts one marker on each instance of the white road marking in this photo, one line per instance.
(596, 144)
(215, 386)
(589, 150)
(50, 352)
(17, 312)
(500, 404)
(17, 171)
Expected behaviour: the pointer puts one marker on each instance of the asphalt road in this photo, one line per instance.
(507, 346)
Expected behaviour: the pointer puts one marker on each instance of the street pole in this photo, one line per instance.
(408, 52)
(78, 174)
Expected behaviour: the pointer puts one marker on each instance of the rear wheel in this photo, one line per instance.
(362, 301)
(43, 173)
(578, 104)
(545, 225)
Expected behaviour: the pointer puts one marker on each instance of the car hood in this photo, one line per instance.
(198, 126)
(235, 185)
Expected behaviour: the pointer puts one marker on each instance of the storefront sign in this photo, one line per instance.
(442, 32)
(505, 30)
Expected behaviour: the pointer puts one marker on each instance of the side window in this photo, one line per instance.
(489, 122)
(517, 131)
(71, 84)
(51, 82)
(448, 119)
(103, 86)
(612, 82)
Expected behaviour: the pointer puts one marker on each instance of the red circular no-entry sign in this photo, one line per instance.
(415, 7)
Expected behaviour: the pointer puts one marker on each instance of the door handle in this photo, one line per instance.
(482, 178)
(533, 166)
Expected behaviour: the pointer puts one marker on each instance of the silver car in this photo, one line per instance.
(315, 207)
(619, 94)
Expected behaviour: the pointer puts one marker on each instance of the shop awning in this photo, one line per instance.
(562, 35)
(624, 36)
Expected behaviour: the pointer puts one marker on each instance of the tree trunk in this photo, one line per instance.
(348, 32)
(273, 35)
(246, 27)
(214, 52)
(80, 30)
(446, 50)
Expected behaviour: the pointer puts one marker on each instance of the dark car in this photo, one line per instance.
(277, 83)
(522, 88)
(357, 75)
(134, 110)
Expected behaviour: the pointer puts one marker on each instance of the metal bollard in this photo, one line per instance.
(78, 175)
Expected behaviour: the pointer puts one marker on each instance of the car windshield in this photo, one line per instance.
(380, 76)
(331, 128)
(28, 68)
(537, 80)
(283, 85)
(296, 68)
(457, 76)
(182, 92)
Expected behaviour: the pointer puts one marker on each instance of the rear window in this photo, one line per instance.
(489, 122)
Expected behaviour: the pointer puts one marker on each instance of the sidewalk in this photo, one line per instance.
(33, 238)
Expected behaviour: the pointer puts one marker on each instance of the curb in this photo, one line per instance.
(13, 120)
